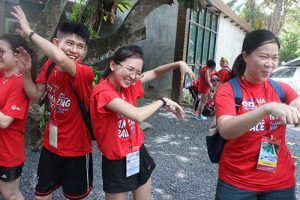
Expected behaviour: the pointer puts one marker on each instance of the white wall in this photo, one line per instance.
(229, 40)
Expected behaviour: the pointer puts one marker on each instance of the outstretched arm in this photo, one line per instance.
(163, 69)
(139, 114)
(51, 50)
(231, 127)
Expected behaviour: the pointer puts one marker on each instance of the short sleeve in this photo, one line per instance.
(222, 75)
(104, 97)
(41, 78)
(224, 101)
(84, 76)
(138, 91)
(83, 82)
(291, 94)
(17, 102)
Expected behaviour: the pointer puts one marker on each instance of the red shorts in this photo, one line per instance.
(203, 89)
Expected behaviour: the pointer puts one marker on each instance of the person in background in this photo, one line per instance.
(256, 162)
(205, 86)
(193, 89)
(14, 104)
(224, 72)
(126, 164)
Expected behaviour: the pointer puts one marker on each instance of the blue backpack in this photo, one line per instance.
(215, 143)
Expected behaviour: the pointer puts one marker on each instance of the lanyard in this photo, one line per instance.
(55, 94)
(127, 126)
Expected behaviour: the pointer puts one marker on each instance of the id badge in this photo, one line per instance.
(132, 163)
(53, 134)
(268, 155)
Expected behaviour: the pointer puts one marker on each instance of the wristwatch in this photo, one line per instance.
(164, 101)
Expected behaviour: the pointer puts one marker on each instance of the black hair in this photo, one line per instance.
(252, 41)
(211, 64)
(124, 52)
(14, 41)
(73, 27)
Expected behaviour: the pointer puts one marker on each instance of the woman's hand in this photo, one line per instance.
(186, 70)
(286, 113)
(24, 60)
(173, 107)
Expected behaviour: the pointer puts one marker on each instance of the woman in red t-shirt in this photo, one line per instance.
(204, 86)
(256, 163)
(224, 73)
(126, 164)
(13, 113)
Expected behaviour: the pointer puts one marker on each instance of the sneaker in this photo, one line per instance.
(201, 117)
(195, 113)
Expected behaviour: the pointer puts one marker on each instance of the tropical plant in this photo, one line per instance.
(290, 47)
(92, 12)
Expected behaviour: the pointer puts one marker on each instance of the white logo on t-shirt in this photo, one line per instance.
(15, 107)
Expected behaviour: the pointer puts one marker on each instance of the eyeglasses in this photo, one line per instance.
(131, 71)
(4, 51)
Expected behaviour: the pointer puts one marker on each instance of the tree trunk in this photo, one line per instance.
(275, 19)
(49, 19)
(131, 31)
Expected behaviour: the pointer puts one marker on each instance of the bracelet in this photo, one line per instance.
(164, 101)
(30, 35)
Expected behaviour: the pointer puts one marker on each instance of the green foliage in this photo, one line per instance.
(92, 15)
(124, 5)
(44, 120)
(76, 10)
(290, 45)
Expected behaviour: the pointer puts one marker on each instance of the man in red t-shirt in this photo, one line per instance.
(66, 158)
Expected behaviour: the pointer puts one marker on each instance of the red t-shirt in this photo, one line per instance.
(113, 131)
(203, 87)
(13, 103)
(195, 85)
(240, 155)
(73, 136)
(224, 74)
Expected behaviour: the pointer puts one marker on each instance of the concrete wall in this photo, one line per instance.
(159, 47)
(229, 40)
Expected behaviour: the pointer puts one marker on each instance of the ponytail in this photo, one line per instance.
(238, 67)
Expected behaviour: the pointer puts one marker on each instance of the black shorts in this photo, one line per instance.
(10, 174)
(114, 173)
(74, 174)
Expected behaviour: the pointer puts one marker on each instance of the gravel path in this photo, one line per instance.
(183, 171)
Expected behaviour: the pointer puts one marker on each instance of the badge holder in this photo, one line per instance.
(268, 155)
(133, 162)
(53, 134)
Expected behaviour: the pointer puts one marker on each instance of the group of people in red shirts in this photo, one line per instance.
(204, 88)
(66, 156)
